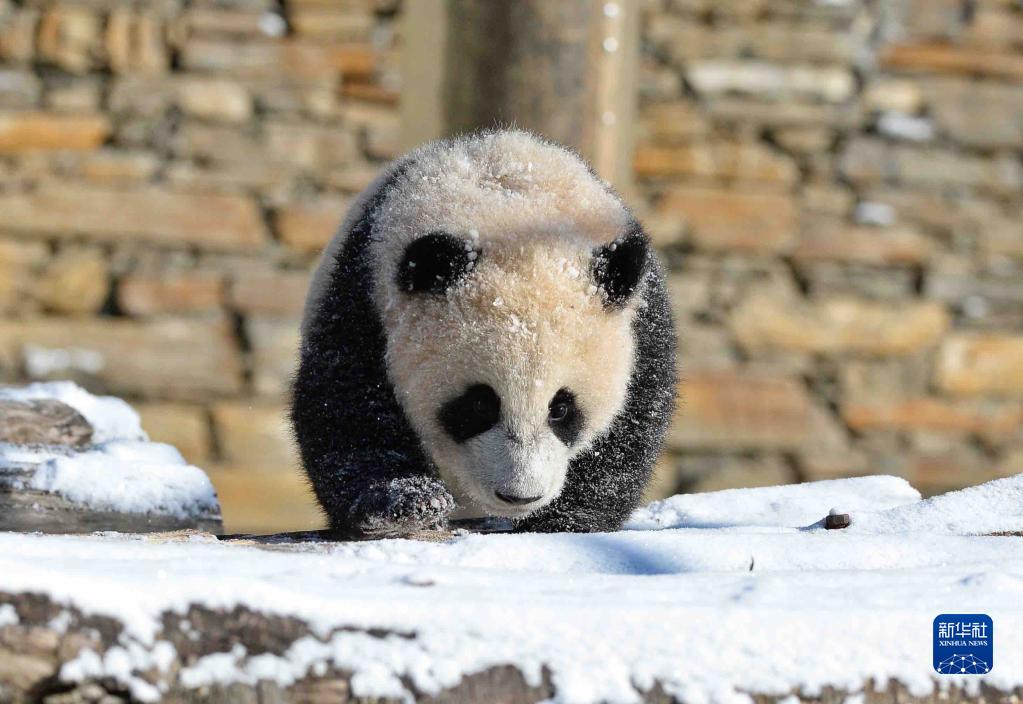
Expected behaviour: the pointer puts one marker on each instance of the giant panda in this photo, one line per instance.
(488, 335)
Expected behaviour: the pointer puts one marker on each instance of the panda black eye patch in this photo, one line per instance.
(565, 417)
(434, 263)
(619, 267)
(476, 411)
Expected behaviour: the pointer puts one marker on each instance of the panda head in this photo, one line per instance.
(509, 279)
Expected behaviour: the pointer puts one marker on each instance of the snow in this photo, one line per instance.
(797, 505)
(121, 471)
(714, 596)
(993, 507)
(128, 477)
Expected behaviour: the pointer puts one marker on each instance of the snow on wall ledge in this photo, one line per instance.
(707, 598)
(121, 472)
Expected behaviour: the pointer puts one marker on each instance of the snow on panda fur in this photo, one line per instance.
(489, 330)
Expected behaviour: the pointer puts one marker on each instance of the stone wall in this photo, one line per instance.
(837, 186)
(168, 172)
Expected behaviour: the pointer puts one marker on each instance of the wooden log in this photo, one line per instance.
(43, 422)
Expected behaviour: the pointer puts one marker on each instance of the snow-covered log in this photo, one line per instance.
(737, 596)
(71, 462)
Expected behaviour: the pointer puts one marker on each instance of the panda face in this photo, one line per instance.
(512, 366)
(513, 471)
(506, 282)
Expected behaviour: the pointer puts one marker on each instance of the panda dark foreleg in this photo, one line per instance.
(370, 504)
(369, 478)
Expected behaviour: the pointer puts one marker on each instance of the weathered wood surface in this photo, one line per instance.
(32, 652)
(43, 422)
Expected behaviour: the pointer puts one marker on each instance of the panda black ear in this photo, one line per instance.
(620, 266)
(434, 263)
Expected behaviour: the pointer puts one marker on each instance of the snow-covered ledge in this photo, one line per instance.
(734, 596)
(71, 462)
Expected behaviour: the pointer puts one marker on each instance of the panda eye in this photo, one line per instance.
(559, 411)
(561, 406)
(565, 417)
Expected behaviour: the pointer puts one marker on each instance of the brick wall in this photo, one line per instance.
(837, 186)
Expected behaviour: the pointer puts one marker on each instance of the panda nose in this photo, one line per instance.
(517, 500)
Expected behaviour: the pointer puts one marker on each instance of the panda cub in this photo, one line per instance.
(489, 330)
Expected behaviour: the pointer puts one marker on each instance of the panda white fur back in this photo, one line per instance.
(491, 323)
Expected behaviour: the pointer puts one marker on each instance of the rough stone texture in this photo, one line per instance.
(42, 422)
(838, 326)
(40, 131)
(162, 217)
(75, 282)
(183, 425)
(749, 410)
(142, 293)
(274, 353)
(976, 364)
(726, 160)
(733, 220)
(255, 436)
(174, 359)
(992, 421)
(272, 292)
(836, 187)
(865, 245)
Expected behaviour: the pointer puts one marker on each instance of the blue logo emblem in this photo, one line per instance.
(964, 644)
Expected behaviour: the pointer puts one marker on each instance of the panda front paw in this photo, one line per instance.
(402, 506)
